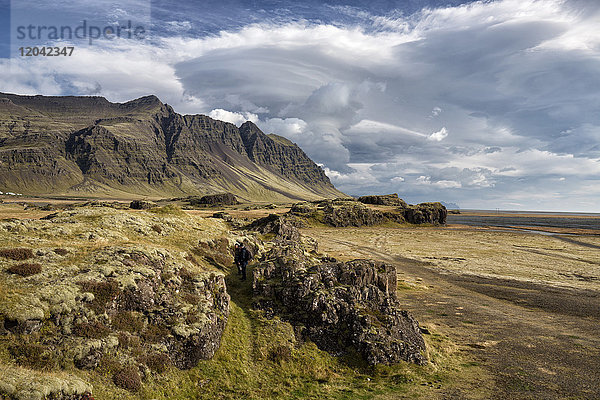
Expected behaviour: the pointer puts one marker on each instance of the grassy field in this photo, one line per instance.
(562, 261)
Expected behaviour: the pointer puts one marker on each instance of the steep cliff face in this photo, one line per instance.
(280, 156)
(68, 145)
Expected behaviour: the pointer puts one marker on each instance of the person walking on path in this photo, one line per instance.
(241, 257)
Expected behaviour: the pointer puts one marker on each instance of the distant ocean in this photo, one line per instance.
(500, 218)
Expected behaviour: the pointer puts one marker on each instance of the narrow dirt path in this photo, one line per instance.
(539, 342)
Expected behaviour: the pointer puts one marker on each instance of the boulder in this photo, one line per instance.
(283, 227)
(223, 215)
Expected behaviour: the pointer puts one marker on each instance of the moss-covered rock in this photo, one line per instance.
(118, 291)
(344, 212)
(222, 199)
(383, 200)
(25, 384)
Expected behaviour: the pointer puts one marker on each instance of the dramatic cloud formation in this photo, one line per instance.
(486, 104)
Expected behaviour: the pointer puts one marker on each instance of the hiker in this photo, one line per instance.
(242, 257)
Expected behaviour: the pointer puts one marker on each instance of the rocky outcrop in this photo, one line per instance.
(141, 205)
(338, 213)
(182, 312)
(425, 213)
(221, 199)
(383, 200)
(344, 213)
(338, 305)
(89, 145)
(198, 337)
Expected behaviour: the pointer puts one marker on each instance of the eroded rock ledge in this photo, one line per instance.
(337, 305)
(347, 212)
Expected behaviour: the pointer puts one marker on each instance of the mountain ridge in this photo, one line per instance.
(72, 145)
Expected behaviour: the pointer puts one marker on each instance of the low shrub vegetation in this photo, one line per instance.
(33, 355)
(17, 254)
(103, 291)
(93, 330)
(157, 362)
(128, 321)
(25, 269)
(155, 333)
(61, 251)
(128, 378)
(157, 228)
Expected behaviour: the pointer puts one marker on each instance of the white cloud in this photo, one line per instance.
(178, 26)
(366, 126)
(424, 180)
(361, 174)
(436, 111)
(233, 117)
(443, 184)
(292, 128)
(439, 135)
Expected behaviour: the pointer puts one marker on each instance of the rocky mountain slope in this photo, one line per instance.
(90, 146)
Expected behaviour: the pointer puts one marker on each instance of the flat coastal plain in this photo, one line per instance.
(521, 305)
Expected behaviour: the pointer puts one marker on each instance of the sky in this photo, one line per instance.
(487, 104)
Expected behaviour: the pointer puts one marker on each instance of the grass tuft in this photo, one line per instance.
(280, 354)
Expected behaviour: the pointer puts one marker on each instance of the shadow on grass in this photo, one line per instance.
(241, 294)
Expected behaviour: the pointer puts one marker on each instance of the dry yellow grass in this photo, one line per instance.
(570, 261)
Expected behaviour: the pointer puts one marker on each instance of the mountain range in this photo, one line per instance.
(88, 146)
